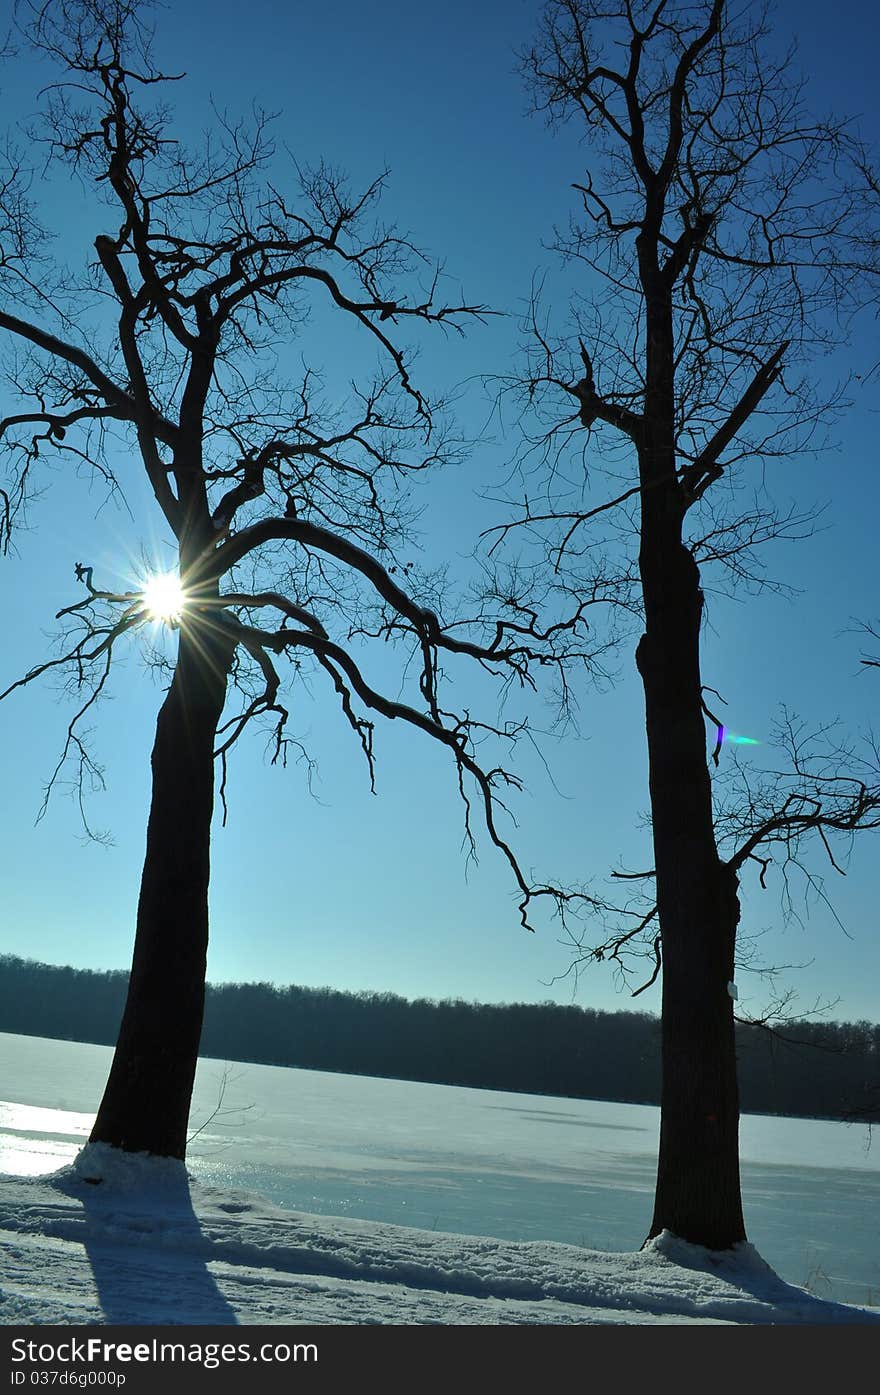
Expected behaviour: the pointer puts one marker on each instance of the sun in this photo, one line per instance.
(164, 597)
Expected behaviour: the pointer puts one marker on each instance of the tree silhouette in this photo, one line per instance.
(288, 512)
(870, 660)
(720, 240)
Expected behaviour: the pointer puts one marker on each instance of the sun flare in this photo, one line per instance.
(164, 597)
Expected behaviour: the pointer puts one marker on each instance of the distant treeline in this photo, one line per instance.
(815, 1069)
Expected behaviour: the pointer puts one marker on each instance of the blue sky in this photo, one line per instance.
(373, 892)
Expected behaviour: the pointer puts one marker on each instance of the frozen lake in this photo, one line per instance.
(479, 1162)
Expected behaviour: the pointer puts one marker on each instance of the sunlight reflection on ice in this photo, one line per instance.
(24, 1155)
(28, 1118)
(35, 1158)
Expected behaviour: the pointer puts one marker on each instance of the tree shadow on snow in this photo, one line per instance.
(148, 1254)
(777, 1300)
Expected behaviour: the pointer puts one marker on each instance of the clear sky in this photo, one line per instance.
(363, 891)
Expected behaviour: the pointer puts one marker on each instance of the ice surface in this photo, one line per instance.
(402, 1203)
(122, 1239)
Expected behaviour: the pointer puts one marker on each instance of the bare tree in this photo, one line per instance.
(288, 515)
(870, 660)
(21, 241)
(718, 241)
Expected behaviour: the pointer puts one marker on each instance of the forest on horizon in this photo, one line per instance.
(807, 1069)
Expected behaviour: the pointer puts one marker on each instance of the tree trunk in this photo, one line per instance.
(698, 1189)
(146, 1102)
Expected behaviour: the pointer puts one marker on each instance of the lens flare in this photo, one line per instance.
(732, 738)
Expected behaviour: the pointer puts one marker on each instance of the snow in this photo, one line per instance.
(373, 1177)
(120, 1239)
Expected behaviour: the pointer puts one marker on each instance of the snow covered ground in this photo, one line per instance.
(516, 1209)
(145, 1245)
